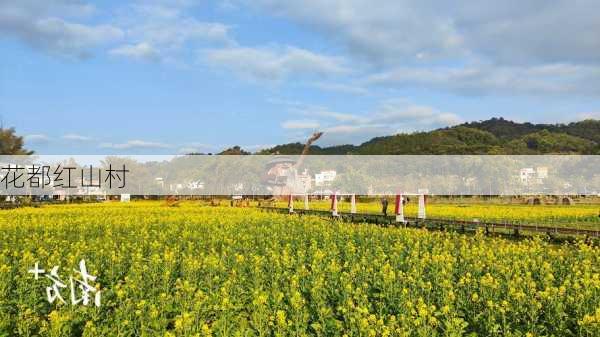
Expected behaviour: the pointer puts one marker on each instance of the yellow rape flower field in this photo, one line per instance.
(195, 270)
(582, 216)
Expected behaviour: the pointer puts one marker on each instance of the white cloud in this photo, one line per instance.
(388, 117)
(135, 144)
(399, 31)
(588, 115)
(140, 51)
(36, 139)
(73, 28)
(389, 31)
(188, 150)
(162, 30)
(76, 137)
(532, 47)
(41, 24)
(227, 5)
(300, 124)
(533, 31)
(196, 147)
(47, 8)
(301, 108)
(475, 80)
(182, 30)
(355, 129)
(402, 112)
(337, 116)
(343, 88)
(274, 64)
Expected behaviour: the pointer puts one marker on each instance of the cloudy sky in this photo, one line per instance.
(174, 76)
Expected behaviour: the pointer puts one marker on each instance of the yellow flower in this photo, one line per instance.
(281, 320)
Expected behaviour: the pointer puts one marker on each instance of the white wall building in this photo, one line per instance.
(196, 185)
(529, 175)
(305, 181)
(325, 178)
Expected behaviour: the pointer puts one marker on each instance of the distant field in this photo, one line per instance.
(576, 216)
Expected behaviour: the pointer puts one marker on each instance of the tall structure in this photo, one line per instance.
(282, 176)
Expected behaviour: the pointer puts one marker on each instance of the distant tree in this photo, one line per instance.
(289, 149)
(11, 144)
(587, 129)
(353, 181)
(546, 142)
(236, 150)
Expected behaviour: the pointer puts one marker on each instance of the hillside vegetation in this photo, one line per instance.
(494, 136)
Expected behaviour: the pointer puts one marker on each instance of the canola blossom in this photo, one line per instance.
(582, 216)
(195, 270)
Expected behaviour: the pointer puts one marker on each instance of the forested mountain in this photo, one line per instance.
(493, 136)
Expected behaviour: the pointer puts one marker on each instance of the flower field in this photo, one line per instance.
(195, 270)
(574, 216)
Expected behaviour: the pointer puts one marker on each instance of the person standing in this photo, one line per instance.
(384, 205)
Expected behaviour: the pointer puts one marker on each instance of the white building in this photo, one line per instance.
(196, 185)
(542, 172)
(325, 178)
(526, 175)
(530, 175)
(305, 181)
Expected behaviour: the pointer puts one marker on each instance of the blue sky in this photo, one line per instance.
(160, 76)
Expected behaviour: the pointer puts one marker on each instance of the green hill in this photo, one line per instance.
(587, 129)
(550, 142)
(493, 136)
